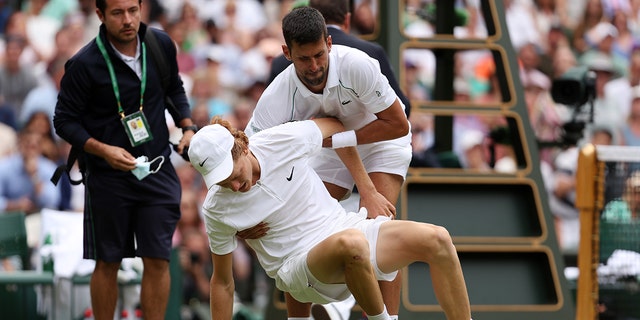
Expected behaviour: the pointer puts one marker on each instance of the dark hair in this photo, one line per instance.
(303, 25)
(102, 5)
(333, 11)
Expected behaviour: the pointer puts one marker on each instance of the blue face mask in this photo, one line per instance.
(143, 166)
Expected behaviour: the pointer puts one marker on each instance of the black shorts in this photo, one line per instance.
(124, 217)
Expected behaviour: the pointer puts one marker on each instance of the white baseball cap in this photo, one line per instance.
(210, 153)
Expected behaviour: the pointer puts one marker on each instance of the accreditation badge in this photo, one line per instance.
(137, 128)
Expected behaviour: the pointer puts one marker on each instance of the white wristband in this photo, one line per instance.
(344, 139)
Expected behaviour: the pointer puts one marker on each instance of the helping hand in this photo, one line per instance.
(255, 232)
(377, 205)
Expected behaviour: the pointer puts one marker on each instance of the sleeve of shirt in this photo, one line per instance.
(291, 140)
(72, 102)
(272, 108)
(222, 238)
(615, 210)
(373, 86)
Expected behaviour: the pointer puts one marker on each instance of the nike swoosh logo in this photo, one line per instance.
(203, 161)
(345, 102)
(291, 175)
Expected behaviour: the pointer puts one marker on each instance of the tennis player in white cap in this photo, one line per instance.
(313, 249)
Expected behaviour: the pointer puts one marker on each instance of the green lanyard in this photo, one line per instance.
(114, 80)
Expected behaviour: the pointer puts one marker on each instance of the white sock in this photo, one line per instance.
(383, 316)
(293, 318)
(395, 317)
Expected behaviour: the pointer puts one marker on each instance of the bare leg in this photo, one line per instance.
(296, 309)
(335, 191)
(433, 245)
(389, 186)
(344, 258)
(154, 294)
(104, 289)
(391, 293)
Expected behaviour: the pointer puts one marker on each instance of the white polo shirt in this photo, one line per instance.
(289, 196)
(355, 91)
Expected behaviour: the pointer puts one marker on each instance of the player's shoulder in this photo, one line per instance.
(281, 86)
(347, 51)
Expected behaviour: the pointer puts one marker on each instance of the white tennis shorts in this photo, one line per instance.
(391, 156)
(294, 275)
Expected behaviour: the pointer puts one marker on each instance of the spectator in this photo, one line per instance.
(41, 30)
(24, 177)
(606, 111)
(620, 90)
(626, 208)
(563, 60)
(474, 153)
(602, 38)
(592, 15)
(422, 139)
(521, 23)
(561, 182)
(545, 116)
(630, 132)
(16, 79)
(502, 155)
(87, 8)
(41, 123)
(364, 17)
(44, 97)
(625, 40)
(546, 17)
(556, 41)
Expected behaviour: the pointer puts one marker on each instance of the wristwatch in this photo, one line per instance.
(192, 127)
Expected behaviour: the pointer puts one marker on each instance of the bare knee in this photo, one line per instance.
(155, 266)
(353, 247)
(438, 243)
(106, 268)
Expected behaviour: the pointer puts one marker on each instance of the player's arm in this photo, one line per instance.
(371, 199)
(222, 287)
(391, 124)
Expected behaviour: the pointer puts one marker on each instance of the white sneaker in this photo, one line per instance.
(325, 312)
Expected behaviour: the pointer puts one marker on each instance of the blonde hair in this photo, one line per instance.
(241, 141)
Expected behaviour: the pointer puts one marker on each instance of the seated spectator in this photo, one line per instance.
(45, 95)
(474, 155)
(627, 207)
(501, 150)
(561, 185)
(40, 122)
(24, 177)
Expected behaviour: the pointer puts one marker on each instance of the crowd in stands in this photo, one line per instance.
(550, 38)
(225, 49)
